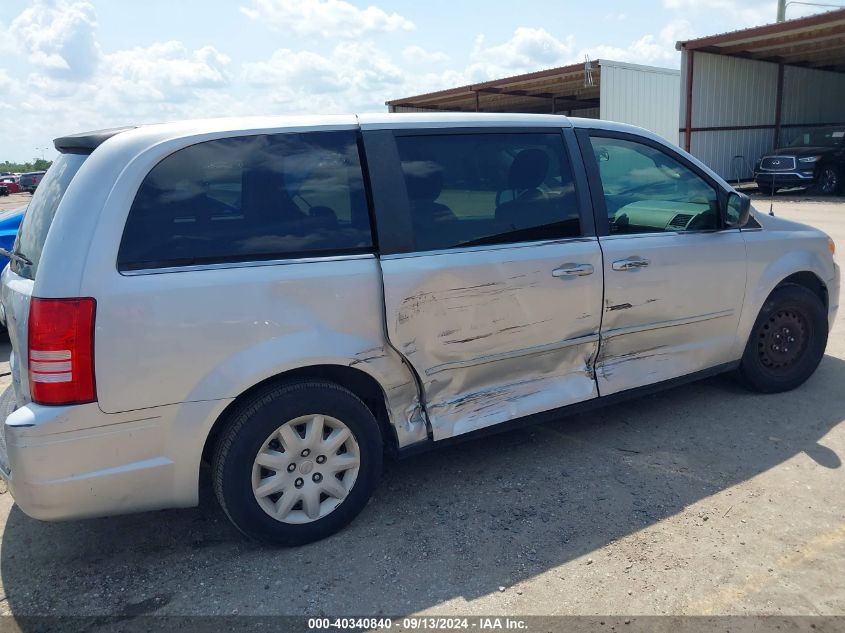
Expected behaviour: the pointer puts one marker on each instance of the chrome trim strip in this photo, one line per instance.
(253, 264)
(799, 174)
(658, 325)
(777, 157)
(488, 247)
(620, 236)
(525, 351)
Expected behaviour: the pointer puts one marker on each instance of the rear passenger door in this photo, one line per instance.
(492, 271)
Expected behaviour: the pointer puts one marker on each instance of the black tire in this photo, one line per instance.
(828, 181)
(767, 190)
(249, 427)
(787, 341)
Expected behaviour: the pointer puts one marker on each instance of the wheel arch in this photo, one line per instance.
(809, 280)
(359, 382)
(803, 266)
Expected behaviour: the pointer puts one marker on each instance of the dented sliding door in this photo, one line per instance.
(492, 271)
(493, 334)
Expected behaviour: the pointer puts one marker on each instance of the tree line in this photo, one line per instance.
(36, 164)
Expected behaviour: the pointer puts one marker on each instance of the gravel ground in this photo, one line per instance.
(14, 201)
(705, 499)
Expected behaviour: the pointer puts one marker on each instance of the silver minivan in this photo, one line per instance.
(290, 299)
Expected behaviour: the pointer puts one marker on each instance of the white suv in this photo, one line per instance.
(289, 299)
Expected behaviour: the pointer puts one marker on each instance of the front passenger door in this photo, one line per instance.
(674, 276)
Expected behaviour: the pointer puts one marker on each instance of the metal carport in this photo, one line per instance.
(747, 92)
(631, 93)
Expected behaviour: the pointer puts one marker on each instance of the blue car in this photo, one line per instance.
(10, 222)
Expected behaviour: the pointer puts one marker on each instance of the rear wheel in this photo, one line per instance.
(787, 341)
(297, 462)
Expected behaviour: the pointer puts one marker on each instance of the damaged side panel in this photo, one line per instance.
(491, 333)
(675, 316)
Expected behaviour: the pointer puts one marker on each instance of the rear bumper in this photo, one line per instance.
(75, 462)
(784, 178)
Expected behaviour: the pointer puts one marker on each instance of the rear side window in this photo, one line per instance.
(41, 211)
(250, 198)
(472, 189)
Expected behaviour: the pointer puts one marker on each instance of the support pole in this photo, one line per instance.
(688, 122)
(778, 106)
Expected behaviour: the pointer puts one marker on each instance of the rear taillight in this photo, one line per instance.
(61, 350)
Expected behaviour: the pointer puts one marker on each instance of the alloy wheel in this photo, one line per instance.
(829, 180)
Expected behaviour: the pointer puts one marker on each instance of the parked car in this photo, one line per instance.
(11, 184)
(10, 222)
(813, 159)
(243, 291)
(29, 181)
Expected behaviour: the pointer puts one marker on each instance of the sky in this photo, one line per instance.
(74, 65)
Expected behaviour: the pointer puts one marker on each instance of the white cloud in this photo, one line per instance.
(529, 49)
(740, 14)
(8, 92)
(165, 71)
(327, 18)
(354, 75)
(6, 82)
(650, 49)
(418, 55)
(58, 37)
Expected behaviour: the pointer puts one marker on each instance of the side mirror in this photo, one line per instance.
(738, 210)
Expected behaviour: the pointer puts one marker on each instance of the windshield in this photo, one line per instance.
(822, 137)
(41, 210)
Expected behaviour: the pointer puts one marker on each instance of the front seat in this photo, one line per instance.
(427, 215)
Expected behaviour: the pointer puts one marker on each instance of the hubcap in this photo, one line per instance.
(305, 469)
(782, 340)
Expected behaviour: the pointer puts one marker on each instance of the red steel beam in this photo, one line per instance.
(760, 32)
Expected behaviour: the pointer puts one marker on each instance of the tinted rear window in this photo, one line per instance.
(250, 198)
(41, 211)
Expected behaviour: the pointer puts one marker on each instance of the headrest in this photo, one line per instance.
(424, 180)
(528, 169)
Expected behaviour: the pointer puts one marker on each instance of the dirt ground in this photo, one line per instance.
(705, 499)
(14, 201)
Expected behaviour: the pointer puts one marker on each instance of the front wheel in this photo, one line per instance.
(297, 462)
(787, 341)
(828, 181)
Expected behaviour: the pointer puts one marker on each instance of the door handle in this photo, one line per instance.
(631, 263)
(573, 270)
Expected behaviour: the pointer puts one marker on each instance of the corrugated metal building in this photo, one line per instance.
(630, 93)
(747, 92)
